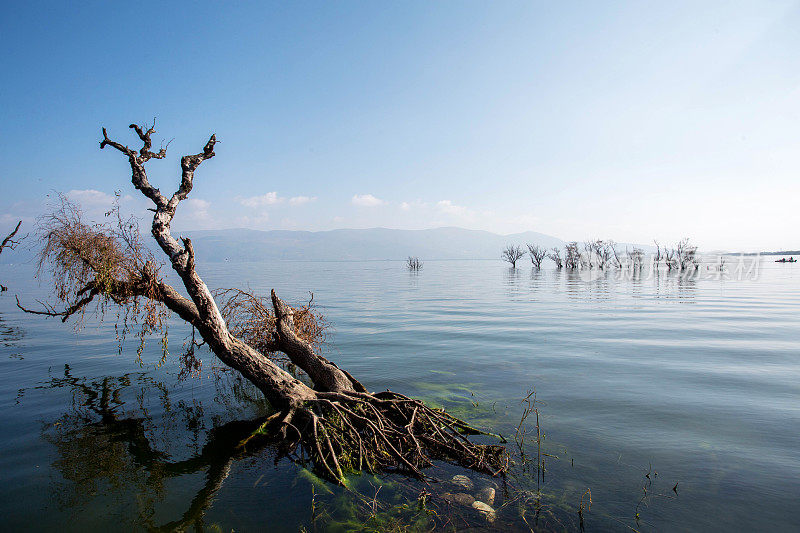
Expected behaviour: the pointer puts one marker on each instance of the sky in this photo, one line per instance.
(629, 121)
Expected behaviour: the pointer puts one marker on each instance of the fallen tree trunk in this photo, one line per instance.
(335, 421)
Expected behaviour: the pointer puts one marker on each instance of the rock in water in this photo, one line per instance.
(464, 499)
(486, 495)
(486, 510)
(463, 482)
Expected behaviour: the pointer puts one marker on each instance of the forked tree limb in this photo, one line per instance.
(325, 374)
(281, 388)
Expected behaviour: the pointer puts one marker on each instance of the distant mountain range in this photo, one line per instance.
(358, 244)
(375, 244)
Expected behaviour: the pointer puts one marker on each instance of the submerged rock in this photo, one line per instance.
(485, 509)
(463, 482)
(464, 499)
(486, 495)
(460, 497)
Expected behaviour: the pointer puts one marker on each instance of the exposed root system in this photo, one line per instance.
(380, 432)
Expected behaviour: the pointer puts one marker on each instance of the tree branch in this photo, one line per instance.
(139, 176)
(65, 314)
(9, 241)
(145, 154)
(189, 164)
(325, 374)
(279, 387)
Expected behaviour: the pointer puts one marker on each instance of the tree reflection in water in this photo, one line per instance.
(10, 335)
(116, 450)
(109, 447)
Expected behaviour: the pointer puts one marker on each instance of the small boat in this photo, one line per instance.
(784, 260)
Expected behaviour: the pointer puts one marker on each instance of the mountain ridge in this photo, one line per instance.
(346, 244)
(366, 244)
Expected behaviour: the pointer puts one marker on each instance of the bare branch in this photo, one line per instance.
(139, 176)
(189, 164)
(555, 256)
(122, 148)
(512, 254)
(537, 253)
(572, 255)
(71, 310)
(9, 241)
(145, 154)
(413, 264)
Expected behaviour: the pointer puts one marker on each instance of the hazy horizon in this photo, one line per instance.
(628, 122)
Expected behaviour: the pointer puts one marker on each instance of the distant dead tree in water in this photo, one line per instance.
(572, 255)
(682, 256)
(604, 254)
(512, 254)
(586, 258)
(613, 254)
(413, 264)
(330, 419)
(686, 255)
(537, 253)
(9, 243)
(555, 256)
(669, 258)
(637, 257)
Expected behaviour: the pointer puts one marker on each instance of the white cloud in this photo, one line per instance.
(366, 200)
(197, 208)
(89, 198)
(448, 207)
(257, 221)
(271, 198)
(406, 206)
(300, 200)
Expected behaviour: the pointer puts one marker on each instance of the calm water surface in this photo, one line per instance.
(642, 383)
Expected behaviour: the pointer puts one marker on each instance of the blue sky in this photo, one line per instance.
(630, 121)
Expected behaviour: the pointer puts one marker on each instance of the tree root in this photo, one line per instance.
(385, 431)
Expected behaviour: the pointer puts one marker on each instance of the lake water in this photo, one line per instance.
(675, 400)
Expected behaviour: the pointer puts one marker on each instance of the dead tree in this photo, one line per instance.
(572, 255)
(10, 244)
(686, 255)
(512, 254)
(611, 247)
(413, 264)
(669, 258)
(603, 253)
(637, 257)
(537, 254)
(658, 256)
(555, 257)
(586, 258)
(334, 420)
